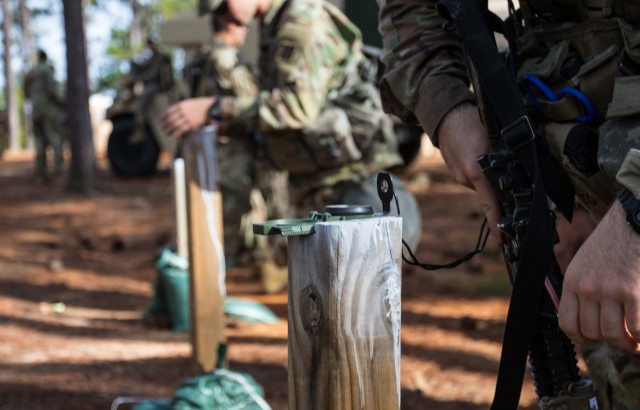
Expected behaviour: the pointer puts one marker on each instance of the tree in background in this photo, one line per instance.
(135, 32)
(26, 36)
(10, 86)
(28, 58)
(82, 174)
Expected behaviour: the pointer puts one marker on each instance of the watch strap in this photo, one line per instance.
(631, 206)
(215, 111)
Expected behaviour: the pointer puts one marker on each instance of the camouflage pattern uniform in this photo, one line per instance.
(321, 121)
(40, 87)
(222, 74)
(155, 73)
(426, 78)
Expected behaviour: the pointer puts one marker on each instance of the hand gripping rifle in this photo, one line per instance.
(518, 167)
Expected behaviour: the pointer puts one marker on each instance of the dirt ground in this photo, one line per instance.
(76, 274)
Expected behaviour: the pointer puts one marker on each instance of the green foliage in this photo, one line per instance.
(118, 52)
(170, 8)
(4, 131)
(109, 77)
(119, 47)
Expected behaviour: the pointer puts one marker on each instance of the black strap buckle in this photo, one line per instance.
(385, 191)
(517, 134)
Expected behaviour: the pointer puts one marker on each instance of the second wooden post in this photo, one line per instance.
(206, 253)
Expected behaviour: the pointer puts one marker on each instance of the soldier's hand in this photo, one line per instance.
(572, 235)
(462, 138)
(186, 116)
(601, 288)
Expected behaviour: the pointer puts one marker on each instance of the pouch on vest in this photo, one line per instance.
(288, 151)
(331, 140)
(583, 56)
(371, 127)
(576, 147)
(326, 144)
(621, 131)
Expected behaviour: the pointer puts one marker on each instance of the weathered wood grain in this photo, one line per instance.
(206, 256)
(344, 316)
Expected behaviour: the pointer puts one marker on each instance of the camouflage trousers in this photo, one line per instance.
(615, 375)
(46, 134)
(252, 191)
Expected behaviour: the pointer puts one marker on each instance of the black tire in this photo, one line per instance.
(131, 160)
(409, 139)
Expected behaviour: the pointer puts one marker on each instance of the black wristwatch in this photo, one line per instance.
(631, 206)
(215, 112)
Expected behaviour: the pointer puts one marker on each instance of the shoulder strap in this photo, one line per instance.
(500, 96)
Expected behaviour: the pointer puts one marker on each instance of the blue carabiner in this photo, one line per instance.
(549, 95)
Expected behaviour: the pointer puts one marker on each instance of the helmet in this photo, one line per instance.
(208, 6)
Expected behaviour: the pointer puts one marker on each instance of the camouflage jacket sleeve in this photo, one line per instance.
(225, 75)
(306, 61)
(425, 76)
(629, 173)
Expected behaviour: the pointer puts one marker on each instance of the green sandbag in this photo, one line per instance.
(220, 390)
(171, 296)
(249, 311)
(173, 271)
(153, 405)
(158, 303)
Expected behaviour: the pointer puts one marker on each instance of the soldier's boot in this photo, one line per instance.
(274, 277)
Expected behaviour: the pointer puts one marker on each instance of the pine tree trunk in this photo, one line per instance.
(28, 59)
(135, 33)
(10, 90)
(26, 42)
(83, 163)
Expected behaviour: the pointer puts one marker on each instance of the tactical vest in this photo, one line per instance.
(352, 136)
(579, 68)
(580, 10)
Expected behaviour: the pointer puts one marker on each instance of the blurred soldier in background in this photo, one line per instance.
(153, 69)
(40, 87)
(321, 120)
(218, 71)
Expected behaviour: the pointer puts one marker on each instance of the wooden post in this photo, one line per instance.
(206, 255)
(344, 316)
(180, 196)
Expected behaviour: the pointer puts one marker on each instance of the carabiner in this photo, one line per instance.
(532, 81)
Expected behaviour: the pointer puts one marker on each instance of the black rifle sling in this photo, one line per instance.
(500, 89)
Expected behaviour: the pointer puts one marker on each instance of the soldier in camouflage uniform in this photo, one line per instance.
(154, 70)
(587, 45)
(320, 119)
(218, 71)
(40, 87)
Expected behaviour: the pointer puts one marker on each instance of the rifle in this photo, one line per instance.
(518, 169)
